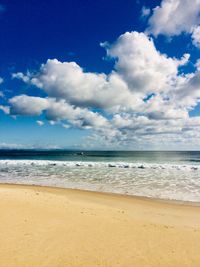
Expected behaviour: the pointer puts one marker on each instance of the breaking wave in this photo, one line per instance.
(157, 180)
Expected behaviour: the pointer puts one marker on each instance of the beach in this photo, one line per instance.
(44, 226)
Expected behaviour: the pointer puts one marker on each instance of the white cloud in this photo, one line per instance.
(40, 123)
(52, 123)
(1, 80)
(66, 126)
(5, 109)
(56, 111)
(68, 81)
(138, 65)
(197, 65)
(187, 90)
(27, 105)
(145, 12)
(21, 76)
(145, 100)
(196, 36)
(174, 17)
(141, 65)
(79, 117)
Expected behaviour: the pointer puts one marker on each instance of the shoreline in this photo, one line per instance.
(49, 226)
(163, 182)
(144, 198)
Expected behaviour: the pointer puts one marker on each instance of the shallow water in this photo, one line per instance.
(164, 175)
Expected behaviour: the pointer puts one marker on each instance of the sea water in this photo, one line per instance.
(163, 174)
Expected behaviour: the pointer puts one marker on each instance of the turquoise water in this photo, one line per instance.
(164, 175)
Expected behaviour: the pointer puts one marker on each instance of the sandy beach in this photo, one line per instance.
(45, 227)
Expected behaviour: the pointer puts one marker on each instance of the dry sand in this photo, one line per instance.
(49, 227)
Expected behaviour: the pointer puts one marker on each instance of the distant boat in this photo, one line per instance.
(80, 153)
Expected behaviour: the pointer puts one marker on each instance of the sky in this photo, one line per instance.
(100, 74)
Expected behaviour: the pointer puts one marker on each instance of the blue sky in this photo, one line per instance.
(100, 74)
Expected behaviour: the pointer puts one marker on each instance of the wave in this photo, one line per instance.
(194, 160)
(157, 180)
(90, 164)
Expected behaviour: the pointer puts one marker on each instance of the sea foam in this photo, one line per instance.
(157, 180)
(52, 163)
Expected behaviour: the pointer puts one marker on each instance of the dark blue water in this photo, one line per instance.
(129, 156)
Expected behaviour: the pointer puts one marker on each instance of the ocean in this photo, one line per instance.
(156, 174)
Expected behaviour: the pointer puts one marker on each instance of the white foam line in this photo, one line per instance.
(55, 163)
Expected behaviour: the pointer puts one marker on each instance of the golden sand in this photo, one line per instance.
(49, 227)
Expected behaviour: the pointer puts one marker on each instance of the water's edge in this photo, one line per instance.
(143, 198)
(169, 180)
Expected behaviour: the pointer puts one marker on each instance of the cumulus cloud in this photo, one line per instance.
(138, 65)
(67, 80)
(76, 116)
(197, 65)
(196, 36)
(174, 17)
(55, 111)
(141, 65)
(27, 105)
(144, 101)
(40, 123)
(145, 98)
